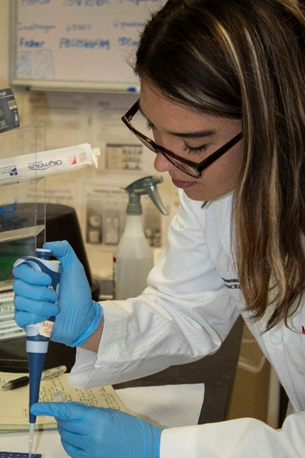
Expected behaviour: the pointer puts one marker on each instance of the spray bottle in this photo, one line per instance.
(133, 257)
(38, 335)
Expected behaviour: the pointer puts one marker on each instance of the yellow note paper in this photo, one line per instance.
(14, 412)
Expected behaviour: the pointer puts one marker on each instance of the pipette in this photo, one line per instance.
(38, 335)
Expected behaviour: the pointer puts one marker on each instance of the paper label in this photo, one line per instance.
(45, 329)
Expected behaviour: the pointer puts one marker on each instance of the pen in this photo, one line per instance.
(23, 381)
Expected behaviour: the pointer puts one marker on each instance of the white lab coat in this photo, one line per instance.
(188, 309)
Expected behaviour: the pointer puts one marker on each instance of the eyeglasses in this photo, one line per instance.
(189, 167)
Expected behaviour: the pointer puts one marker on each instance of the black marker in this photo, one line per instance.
(17, 383)
(24, 381)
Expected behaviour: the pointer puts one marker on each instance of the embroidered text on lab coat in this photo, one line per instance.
(232, 283)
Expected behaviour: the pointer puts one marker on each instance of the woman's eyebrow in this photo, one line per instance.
(193, 134)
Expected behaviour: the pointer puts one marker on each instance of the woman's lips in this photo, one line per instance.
(183, 184)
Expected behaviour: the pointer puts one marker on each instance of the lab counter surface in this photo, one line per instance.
(216, 371)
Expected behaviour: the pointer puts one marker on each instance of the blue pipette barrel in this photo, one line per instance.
(38, 335)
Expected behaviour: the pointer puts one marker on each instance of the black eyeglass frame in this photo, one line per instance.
(172, 157)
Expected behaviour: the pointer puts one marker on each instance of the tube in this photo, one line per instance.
(34, 166)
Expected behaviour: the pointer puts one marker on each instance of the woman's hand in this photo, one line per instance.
(92, 432)
(77, 315)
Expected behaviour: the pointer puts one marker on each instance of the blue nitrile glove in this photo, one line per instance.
(93, 432)
(77, 315)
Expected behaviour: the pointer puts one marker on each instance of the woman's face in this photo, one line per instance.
(194, 136)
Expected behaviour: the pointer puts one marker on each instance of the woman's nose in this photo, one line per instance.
(162, 164)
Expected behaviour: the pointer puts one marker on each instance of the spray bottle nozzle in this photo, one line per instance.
(146, 185)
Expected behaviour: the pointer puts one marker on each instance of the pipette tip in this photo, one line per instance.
(31, 437)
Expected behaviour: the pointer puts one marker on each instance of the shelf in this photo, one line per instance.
(18, 234)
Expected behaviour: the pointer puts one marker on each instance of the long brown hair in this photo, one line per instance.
(246, 59)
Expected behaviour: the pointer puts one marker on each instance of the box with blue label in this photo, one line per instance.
(9, 117)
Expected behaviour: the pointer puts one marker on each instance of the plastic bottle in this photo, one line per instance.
(133, 257)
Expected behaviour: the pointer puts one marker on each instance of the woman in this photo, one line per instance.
(216, 77)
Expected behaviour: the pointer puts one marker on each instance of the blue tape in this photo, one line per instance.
(17, 455)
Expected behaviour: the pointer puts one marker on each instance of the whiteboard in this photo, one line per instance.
(77, 44)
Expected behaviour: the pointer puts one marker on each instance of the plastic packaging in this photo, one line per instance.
(133, 257)
(34, 166)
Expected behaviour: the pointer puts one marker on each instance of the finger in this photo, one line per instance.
(65, 253)
(73, 451)
(60, 249)
(31, 276)
(23, 318)
(73, 426)
(60, 410)
(76, 439)
(34, 292)
(42, 308)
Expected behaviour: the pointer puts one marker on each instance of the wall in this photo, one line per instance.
(4, 55)
(5, 52)
(75, 118)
